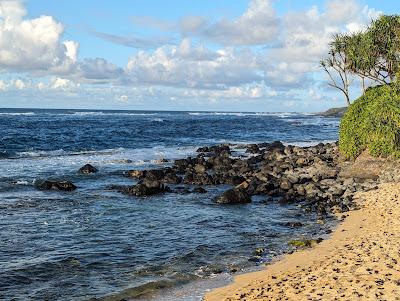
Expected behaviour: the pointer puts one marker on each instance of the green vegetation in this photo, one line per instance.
(307, 243)
(372, 122)
(372, 55)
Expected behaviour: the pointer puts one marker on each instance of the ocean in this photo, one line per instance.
(96, 243)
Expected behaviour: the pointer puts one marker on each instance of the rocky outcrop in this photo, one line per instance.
(314, 176)
(88, 169)
(147, 187)
(334, 112)
(55, 185)
(237, 195)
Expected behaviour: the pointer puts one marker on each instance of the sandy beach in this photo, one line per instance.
(359, 262)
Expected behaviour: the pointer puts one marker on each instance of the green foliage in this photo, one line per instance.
(375, 52)
(307, 243)
(372, 122)
(372, 54)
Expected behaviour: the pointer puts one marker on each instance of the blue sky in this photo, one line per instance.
(242, 55)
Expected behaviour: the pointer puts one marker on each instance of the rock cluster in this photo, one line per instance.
(314, 175)
(55, 185)
(289, 173)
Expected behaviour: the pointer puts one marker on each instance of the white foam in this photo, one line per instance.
(158, 120)
(111, 114)
(18, 114)
(241, 114)
(61, 162)
(21, 182)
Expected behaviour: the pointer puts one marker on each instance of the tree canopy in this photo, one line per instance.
(372, 54)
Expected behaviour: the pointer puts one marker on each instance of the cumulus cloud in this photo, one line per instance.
(62, 83)
(32, 44)
(98, 69)
(305, 40)
(20, 84)
(3, 85)
(188, 66)
(219, 59)
(258, 25)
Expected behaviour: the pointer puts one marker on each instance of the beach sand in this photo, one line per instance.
(361, 260)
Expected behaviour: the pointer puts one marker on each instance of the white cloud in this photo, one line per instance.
(195, 67)
(3, 85)
(62, 83)
(214, 60)
(32, 44)
(257, 25)
(123, 98)
(98, 70)
(305, 40)
(19, 84)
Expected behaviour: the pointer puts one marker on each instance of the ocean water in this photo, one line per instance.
(97, 243)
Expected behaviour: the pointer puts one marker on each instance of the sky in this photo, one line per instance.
(212, 55)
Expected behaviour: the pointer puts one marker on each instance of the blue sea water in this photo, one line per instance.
(93, 242)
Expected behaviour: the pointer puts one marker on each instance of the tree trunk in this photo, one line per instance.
(363, 84)
(347, 99)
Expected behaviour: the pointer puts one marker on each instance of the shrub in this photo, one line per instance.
(372, 122)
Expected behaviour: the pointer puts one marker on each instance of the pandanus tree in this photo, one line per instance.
(372, 54)
(336, 65)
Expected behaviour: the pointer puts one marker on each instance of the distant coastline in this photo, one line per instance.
(334, 112)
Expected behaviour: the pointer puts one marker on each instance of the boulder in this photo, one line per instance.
(172, 178)
(285, 184)
(199, 190)
(155, 174)
(87, 169)
(252, 149)
(236, 195)
(200, 169)
(147, 187)
(181, 164)
(276, 145)
(137, 174)
(56, 185)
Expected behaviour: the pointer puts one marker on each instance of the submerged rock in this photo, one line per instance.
(199, 190)
(55, 185)
(236, 195)
(87, 169)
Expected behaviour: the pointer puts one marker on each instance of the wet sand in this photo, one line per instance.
(361, 260)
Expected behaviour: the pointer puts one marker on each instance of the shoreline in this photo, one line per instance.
(359, 261)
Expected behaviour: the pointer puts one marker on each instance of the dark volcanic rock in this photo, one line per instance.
(56, 185)
(276, 145)
(172, 178)
(137, 174)
(155, 174)
(253, 149)
(216, 149)
(87, 169)
(236, 195)
(199, 190)
(334, 112)
(312, 175)
(147, 187)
